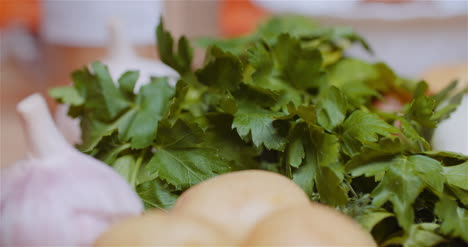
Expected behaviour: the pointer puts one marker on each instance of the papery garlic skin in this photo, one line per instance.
(120, 58)
(59, 196)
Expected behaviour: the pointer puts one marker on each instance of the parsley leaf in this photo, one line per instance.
(255, 123)
(223, 70)
(181, 160)
(404, 180)
(180, 60)
(454, 219)
(364, 128)
(322, 151)
(332, 107)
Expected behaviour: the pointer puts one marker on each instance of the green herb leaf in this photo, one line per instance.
(332, 107)
(454, 219)
(152, 104)
(128, 80)
(404, 181)
(457, 175)
(156, 194)
(364, 128)
(321, 153)
(67, 95)
(180, 60)
(223, 71)
(181, 160)
(253, 122)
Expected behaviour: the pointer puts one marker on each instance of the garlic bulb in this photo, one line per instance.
(452, 133)
(58, 196)
(121, 58)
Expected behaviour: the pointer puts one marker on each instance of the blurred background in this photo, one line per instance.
(42, 42)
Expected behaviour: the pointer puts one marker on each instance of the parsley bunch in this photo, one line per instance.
(286, 99)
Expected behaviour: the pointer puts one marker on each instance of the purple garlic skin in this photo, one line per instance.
(59, 196)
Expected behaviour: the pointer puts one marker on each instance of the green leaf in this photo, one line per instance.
(300, 67)
(373, 169)
(446, 157)
(292, 24)
(454, 219)
(370, 220)
(295, 151)
(384, 150)
(445, 110)
(349, 71)
(332, 107)
(265, 71)
(321, 152)
(156, 194)
(417, 142)
(358, 93)
(93, 130)
(180, 60)
(124, 166)
(128, 80)
(444, 94)
(181, 160)
(457, 175)
(230, 146)
(364, 128)
(401, 188)
(404, 180)
(67, 95)
(421, 110)
(223, 71)
(423, 235)
(460, 194)
(255, 123)
(429, 170)
(152, 104)
(114, 100)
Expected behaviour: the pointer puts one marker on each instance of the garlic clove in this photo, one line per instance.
(59, 196)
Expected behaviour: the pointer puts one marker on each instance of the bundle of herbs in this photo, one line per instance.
(286, 99)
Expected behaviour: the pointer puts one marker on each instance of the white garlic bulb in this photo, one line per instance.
(58, 196)
(452, 133)
(120, 58)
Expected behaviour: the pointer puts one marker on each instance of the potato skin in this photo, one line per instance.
(158, 228)
(310, 225)
(238, 200)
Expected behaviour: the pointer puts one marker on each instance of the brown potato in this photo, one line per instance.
(309, 225)
(238, 200)
(158, 228)
(439, 77)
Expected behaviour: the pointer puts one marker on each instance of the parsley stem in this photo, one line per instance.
(136, 171)
(351, 188)
(111, 156)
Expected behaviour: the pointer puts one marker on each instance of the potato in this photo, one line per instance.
(439, 77)
(158, 228)
(308, 225)
(238, 200)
